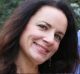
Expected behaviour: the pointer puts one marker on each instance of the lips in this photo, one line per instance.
(42, 49)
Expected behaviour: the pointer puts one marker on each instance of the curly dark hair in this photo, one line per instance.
(63, 61)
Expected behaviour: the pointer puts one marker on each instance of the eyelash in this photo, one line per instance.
(43, 27)
(58, 37)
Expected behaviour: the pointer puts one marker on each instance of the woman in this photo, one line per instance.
(40, 37)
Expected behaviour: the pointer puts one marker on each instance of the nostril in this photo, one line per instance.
(48, 43)
(49, 39)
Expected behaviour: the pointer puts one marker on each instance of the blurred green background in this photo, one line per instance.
(7, 7)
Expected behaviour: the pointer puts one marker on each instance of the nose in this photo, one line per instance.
(49, 39)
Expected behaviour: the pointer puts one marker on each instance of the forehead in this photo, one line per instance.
(48, 11)
(51, 15)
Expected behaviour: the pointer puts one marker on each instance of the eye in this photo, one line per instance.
(58, 37)
(43, 27)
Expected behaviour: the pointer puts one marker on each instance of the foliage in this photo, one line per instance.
(76, 8)
(7, 7)
(75, 4)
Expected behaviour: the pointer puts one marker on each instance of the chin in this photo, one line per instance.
(38, 62)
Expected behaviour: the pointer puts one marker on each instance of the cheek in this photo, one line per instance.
(24, 42)
(27, 39)
(55, 48)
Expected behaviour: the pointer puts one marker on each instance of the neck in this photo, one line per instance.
(24, 65)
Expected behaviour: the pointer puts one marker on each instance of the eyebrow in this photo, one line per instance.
(49, 25)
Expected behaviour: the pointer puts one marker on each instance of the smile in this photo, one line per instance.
(41, 49)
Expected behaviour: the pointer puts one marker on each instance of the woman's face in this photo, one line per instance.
(43, 33)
